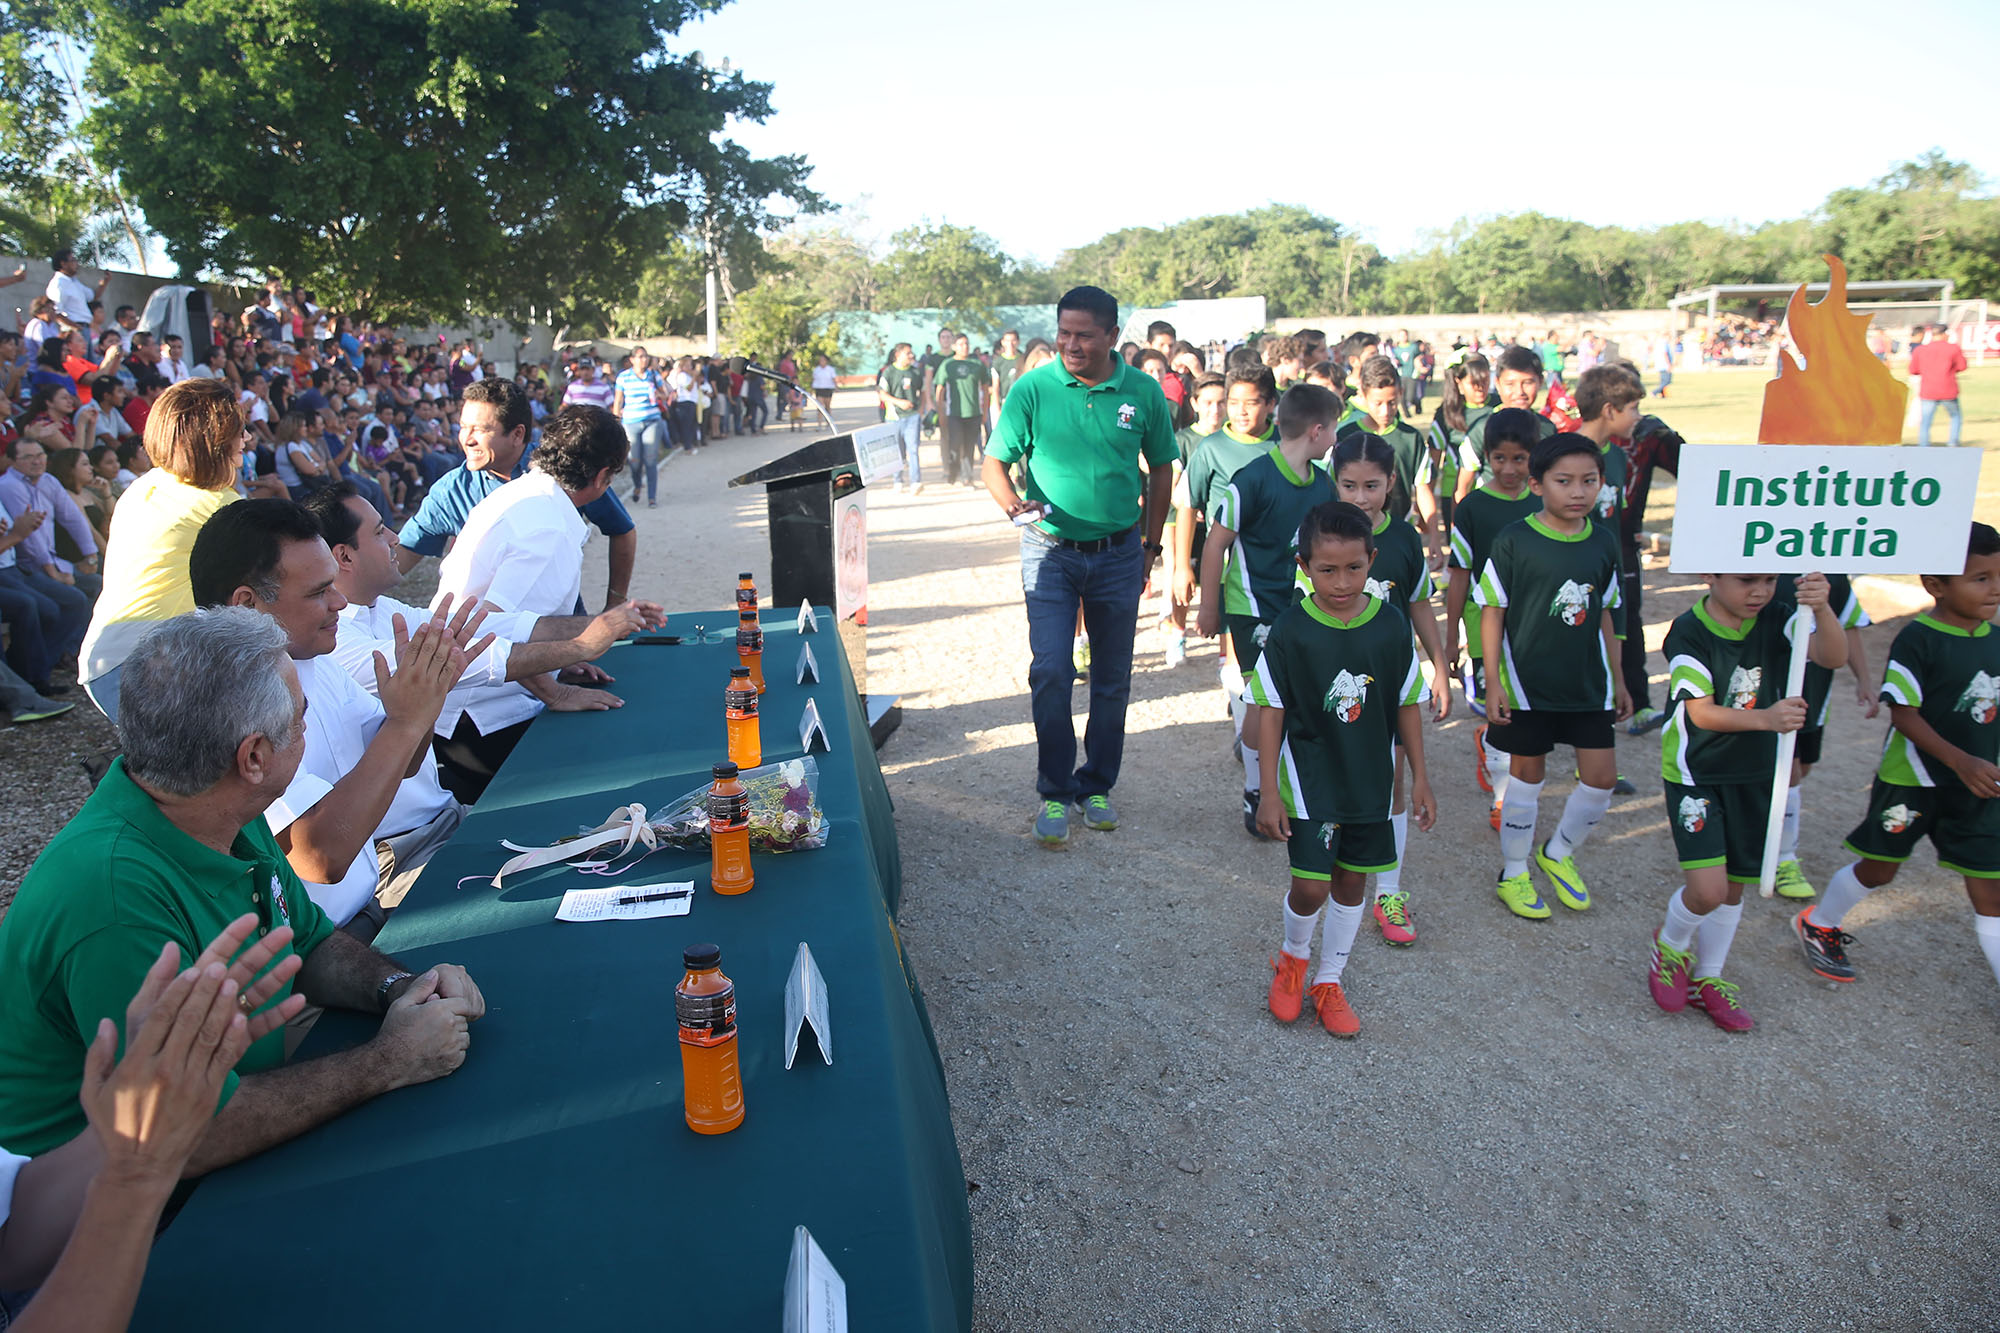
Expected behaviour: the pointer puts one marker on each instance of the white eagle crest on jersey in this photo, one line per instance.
(1694, 813)
(1377, 589)
(1571, 602)
(1744, 682)
(1347, 693)
(1981, 698)
(1607, 499)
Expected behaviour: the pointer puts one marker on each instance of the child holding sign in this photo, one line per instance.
(1938, 777)
(1727, 659)
(1545, 600)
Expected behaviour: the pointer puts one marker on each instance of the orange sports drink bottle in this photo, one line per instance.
(739, 709)
(746, 592)
(729, 832)
(750, 646)
(705, 1003)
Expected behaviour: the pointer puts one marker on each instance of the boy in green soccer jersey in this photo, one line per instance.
(1518, 382)
(1545, 631)
(1940, 770)
(1608, 400)
(1338, 685)
(1248, 564)
(1818, 693)
(1727, 659)
(1476, 522)
(1186, 527)
(1250, 395)
(1377, 411)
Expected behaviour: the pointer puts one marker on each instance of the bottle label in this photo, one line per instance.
(706, 1018)
(746, 599)
(749, 639)
(727, 813)
(740, 705)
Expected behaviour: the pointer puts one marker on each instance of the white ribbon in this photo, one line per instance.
(626, 829)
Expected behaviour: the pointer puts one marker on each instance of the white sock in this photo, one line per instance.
(1231, 677)
(1845, 890)
(1788, 832)
(1343, 923)
(1517, 825)
(1252, 775)
(1298, 931)
(1585, 806)
(1496, 768)
(1391, 880)
(1711, 948)
(1681, 925)
(1988, 928)
(1238, 708)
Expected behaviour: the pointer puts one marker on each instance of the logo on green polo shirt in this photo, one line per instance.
(1979, 698)
(1694, 813)
(1346, 695)
(1127, 411)
(278, 903)
(1570, 602)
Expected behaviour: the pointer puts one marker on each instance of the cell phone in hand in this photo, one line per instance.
(1034, 513)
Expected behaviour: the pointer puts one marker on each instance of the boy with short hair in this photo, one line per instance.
(1338, 684)
(1727, 656)
(1517, 381)
(1546, 633)
(1187, 527)
(1377, 409)
(1285, 359)
(1250, 394)
(1608, 401)
(1476, 522)
(1354, 349)
(1252, 539)
(1940, 769)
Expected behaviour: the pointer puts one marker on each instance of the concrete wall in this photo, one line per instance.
(1628, 327)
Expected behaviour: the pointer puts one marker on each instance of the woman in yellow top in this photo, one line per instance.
(194, 436)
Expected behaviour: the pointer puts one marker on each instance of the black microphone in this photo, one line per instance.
(753, 368)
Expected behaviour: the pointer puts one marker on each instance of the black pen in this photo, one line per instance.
(668, 640)
(655, 897)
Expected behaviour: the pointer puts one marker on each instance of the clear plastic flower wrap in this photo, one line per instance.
(784, 811)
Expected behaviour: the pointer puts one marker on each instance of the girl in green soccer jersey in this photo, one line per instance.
(1186, 529)
(1364, 475)
(1464, 403)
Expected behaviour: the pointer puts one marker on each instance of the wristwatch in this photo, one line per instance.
(1154, 548)
(388, 984)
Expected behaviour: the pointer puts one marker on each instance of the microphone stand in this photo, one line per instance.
(813, 398)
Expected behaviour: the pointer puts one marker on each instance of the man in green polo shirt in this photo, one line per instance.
(1080, 424)
(173, 847)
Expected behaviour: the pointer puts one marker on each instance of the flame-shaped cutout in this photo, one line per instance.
(1843, 394)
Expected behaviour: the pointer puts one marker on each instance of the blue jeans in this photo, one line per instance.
(649, 441)
(33, 622)
(1054, 582)
(911, 428)
(370, 490)
(756, 411)
(683, 422)
(1928, 409)
(72, 606)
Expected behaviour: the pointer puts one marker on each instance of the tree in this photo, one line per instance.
(776, 317)
(422, 159)
(943, 267)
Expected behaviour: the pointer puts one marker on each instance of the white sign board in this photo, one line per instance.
(878, 452)
(1836, 509)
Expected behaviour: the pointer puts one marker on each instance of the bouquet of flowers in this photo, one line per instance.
(784, 817)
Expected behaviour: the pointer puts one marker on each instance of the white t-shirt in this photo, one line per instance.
(72, 297)
(10, 1166)
(823, 377)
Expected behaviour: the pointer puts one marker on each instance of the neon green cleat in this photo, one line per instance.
(1563, 874)
(1791, 881)
(1518, 892)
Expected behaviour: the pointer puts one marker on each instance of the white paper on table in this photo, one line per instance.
(815, 1293)
(808, 665)
(805, 1002)
(809, 725)
(603, 904)
(808, 622)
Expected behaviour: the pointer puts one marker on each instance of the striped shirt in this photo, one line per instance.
(594, 393)
(638, 387)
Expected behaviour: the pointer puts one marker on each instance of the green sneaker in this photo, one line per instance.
(1563, 874)
(42, 711)
(1645, 720)
(1791, 881)
(1052, 824)
(1518, 892)
(1098, 814)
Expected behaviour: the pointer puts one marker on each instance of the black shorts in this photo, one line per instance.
(1318, 847)
(1721, 824)
(1246, 639)
(1812, 740)
(1533, 732)
(1964, 828)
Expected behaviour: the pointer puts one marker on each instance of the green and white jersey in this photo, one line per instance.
(1399, 573)
(1404, 440)
(1553, 589)
(1472, 453)
(1264, 505)
(1188, 438)
(1446, 443)
(1604, 515)
(1342, 684)
(1952, 678)
(1738, 668)
(1475, 522)
(905, 382)
(956, 385)
(1846, 608)
(1216, 459)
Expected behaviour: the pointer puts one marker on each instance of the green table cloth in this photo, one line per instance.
(551, 1181)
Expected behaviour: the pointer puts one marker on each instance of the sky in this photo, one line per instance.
(1048, 126)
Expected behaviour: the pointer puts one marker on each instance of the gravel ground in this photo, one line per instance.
(1518, 1136)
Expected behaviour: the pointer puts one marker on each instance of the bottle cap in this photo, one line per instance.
(750, 616)
(747, 576)
(723, 771)
(739, 671)
(701, 955)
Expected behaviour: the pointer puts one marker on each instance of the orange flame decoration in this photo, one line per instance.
(1842, 395)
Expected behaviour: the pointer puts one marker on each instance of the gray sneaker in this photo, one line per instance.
(1052, 824)
(41, 711)
(1098, 814)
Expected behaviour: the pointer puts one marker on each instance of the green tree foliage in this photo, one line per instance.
(419, 158)
(775, 317)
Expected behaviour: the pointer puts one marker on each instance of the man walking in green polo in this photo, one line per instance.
(1081, 423)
